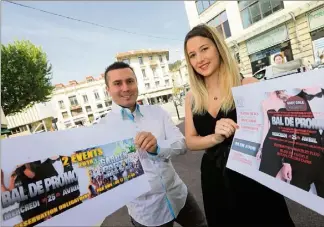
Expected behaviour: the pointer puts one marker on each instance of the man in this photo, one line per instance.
(169, 200)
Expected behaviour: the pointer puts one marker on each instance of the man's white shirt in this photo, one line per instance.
(168, 192)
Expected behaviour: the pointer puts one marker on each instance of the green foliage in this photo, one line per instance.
(175, 65)
(25, 76)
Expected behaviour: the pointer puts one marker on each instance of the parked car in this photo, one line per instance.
(285, 69)
(318, 66)
(98, 118)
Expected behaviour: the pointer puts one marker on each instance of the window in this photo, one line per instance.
(143, 72)
(99, 106)
(157, 83)
(61, 104)
(254, 11)
(85, 98)
(147, 86)
(160, 58)
(126, 61)
(73, 100)
(203, 5)
(151, 58)
(140, 60)
(108, 103)
(220, 22)
(88, 108)
(96, 94)
(106, 93)
(65, 114)
(163, 70)
(154, 72)
(167, 83)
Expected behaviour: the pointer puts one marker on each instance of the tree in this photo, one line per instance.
(26, 76)
(175, 65)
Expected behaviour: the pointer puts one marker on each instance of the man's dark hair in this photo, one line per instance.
(116, 65)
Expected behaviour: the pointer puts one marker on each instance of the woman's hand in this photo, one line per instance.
(224, 128)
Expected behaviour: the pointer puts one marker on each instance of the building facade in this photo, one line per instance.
(180, 75)
(256, 31)
(79, 103)
(152, 71)
(31, 119)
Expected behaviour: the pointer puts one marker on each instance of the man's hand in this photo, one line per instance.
(146, 141)
(286, 172)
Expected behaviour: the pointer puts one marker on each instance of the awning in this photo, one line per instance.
(5, 131)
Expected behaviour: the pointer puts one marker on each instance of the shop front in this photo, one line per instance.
(265, 48)
(316, 26)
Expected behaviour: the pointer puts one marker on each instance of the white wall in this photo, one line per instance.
(234, 17)
(192, 13)
(162, 77)
(80, 90)
(37, 112)
(180, 76)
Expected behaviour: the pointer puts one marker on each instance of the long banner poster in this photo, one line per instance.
(280, 142)
(68, 178)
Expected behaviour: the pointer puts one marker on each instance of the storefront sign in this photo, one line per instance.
(316, 19)
(268, 39)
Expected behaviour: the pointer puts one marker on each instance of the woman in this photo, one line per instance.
(273, 106)
(229, 197)
(278, 59)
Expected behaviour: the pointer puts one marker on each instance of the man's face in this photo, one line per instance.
(122, 87)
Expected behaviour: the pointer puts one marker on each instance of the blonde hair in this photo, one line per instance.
(229, 75)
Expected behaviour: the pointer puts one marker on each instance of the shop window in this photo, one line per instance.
(220, 22)
(254, 11)
(266, 57)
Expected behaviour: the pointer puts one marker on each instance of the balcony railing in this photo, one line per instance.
(75, 107)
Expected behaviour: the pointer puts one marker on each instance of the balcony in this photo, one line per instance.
(76, 112)
(75, 107)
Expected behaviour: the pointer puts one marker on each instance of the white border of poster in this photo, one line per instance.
(248, 100)
(27, 149)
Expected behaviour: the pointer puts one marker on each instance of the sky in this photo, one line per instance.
(76, 49)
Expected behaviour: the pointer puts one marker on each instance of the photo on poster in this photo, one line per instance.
(280, 142)
(40, 190)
